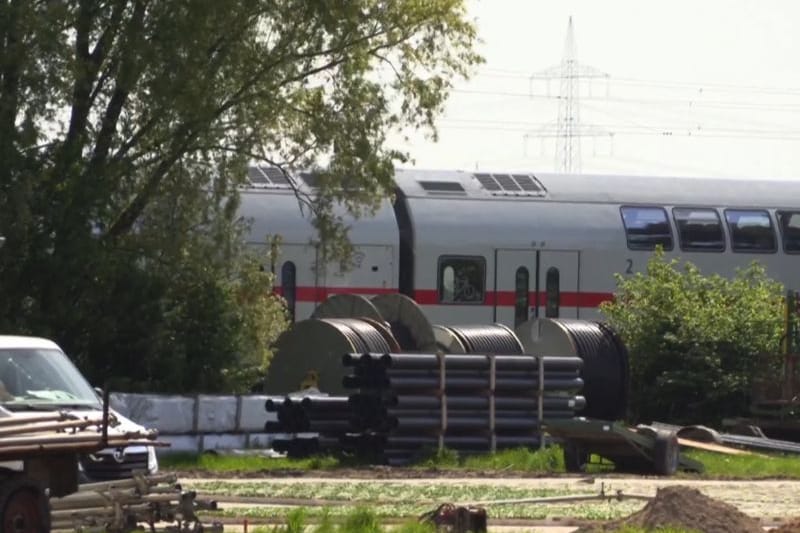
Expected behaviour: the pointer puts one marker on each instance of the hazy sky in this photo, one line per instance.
(695, 87)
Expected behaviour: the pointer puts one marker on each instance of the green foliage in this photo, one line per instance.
(696, 342)
(125, 131)
(756, 466)
(243, 463)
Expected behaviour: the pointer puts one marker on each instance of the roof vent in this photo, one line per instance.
(511, 184)
(442, 187)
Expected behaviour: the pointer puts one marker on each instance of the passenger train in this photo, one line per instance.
(481, 247)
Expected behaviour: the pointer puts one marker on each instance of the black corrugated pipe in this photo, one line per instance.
(605, 369)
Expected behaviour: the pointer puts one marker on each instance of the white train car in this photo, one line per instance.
(483, 247)
(502, 247)
(273, 209)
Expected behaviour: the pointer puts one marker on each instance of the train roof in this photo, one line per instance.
(281, 212)
(599, 188)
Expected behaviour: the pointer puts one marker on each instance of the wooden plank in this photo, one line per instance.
(711, 447)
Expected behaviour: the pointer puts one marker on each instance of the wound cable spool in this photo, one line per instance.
(605, 371)
(315, 347)
(408, 323)
(347, 306)
(488, 340)
(383, 328)
(447, 341)
(371, 339)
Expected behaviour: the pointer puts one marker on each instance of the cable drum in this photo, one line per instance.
(487, 340)
(408, 323)
(370, 339)
(605, 371)
(309, 354)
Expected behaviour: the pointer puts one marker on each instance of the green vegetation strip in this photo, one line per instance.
(364, 491)
(549, 461)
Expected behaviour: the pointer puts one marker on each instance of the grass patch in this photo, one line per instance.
(544, 461)
(748, 466)
(535, 462)
(213, 462)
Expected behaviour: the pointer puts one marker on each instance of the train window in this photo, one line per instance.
(790, 231)
(289, 286)
(751, 230)
(647, 227)
(699, 230)
(521, 293)
(462, 279)
(552, 284)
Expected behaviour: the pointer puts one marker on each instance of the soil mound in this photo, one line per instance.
(687, 508)
(793, 526)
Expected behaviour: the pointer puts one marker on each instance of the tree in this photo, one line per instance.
(696, 342)
(126, 127)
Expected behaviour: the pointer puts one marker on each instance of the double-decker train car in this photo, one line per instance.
(497, 247)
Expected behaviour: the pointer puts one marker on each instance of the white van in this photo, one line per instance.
(36, 375)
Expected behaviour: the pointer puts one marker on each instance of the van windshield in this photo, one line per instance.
(37, 378)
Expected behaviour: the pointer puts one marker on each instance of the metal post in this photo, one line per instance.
(492, 384)
(541, 400)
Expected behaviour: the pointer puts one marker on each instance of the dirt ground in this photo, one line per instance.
(772, 502)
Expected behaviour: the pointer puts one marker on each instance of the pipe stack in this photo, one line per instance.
(470, 403)
(327, 416)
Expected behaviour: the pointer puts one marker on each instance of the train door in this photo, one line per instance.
(558, 284)
(296, 279)
(515, 286)
(530, 283)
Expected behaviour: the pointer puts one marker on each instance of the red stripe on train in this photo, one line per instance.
(431, 296)
(509, 298)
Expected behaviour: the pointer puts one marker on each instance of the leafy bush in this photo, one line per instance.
(696, 342)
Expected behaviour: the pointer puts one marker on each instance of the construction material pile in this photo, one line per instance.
(27, 435)
(469, 403)
(313, 424)
(121, 506)
(398, 383)
(405, 403)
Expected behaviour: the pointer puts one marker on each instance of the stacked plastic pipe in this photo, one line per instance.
(404, 404)
(309, 425)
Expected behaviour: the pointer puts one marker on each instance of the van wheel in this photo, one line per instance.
(24, 507)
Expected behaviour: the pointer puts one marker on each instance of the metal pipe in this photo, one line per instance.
(476, 361)
(573, 384)
(474, 402)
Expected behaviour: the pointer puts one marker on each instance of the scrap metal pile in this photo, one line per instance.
(31, 434)
(48, 444)
(124, 505)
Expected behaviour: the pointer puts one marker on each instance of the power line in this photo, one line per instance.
(667, 84)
